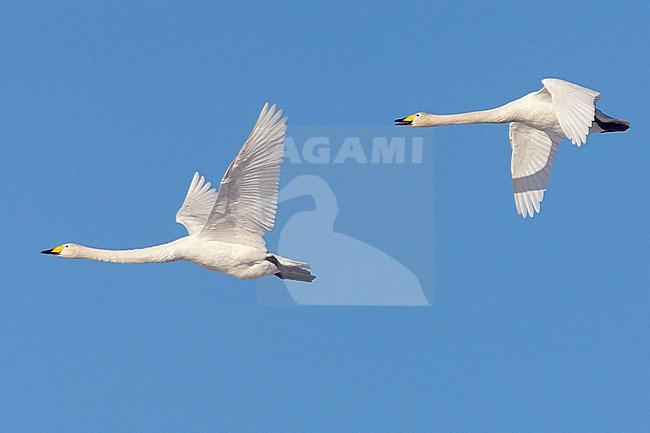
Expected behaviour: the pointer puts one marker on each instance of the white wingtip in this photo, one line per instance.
(529, 203)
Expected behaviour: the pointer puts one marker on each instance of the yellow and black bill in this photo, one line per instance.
(405, 121)
(54, 251)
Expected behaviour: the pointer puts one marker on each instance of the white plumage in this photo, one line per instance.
(225, 227)
(538, 123)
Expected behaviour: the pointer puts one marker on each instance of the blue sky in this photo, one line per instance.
(106, 111)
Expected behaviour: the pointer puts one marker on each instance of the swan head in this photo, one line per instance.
(64, 250)
(415, 119)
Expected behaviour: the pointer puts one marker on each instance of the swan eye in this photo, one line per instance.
(417, 115)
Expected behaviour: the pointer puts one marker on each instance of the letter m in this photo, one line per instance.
(387, 152)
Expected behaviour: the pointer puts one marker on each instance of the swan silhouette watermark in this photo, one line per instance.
(357, 203)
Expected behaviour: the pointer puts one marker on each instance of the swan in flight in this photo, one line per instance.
(538, 122)
(225, 227)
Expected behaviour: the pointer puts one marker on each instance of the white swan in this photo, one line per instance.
(538, 122)
(225, 227)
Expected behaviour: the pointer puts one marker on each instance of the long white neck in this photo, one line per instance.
(157, 254)
(501, 114)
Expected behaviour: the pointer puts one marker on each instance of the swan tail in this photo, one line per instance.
(605, 123)
(291, 269)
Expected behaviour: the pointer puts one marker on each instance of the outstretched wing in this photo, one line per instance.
(248, 196)
(533, 154)
(575, 107)
(198, 203)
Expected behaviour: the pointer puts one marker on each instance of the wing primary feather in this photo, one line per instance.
(533, 154)
(246, 204)
(574, 106)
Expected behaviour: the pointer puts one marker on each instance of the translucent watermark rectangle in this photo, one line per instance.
(357, 204)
